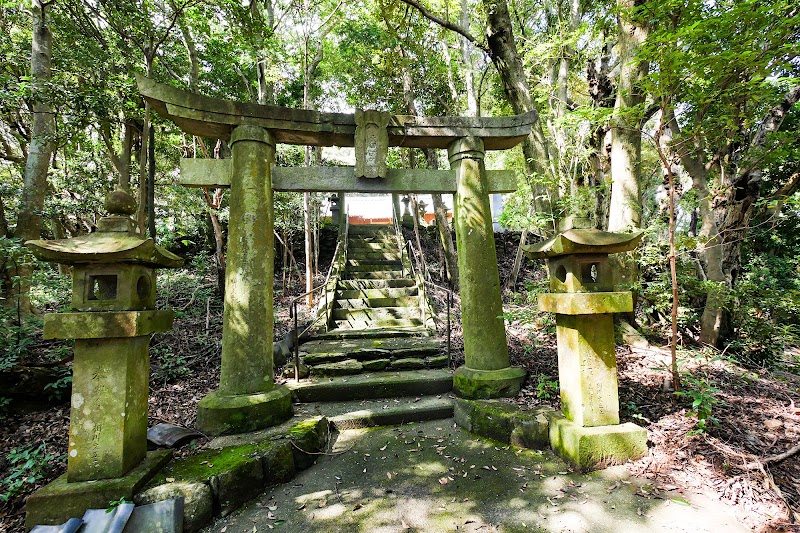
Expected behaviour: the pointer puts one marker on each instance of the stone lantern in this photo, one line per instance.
(336, 209)
(583, 300)
(407, 221)
(114, 314)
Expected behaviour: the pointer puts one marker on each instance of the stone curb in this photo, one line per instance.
(504, 422)
(432, 409)
(216, 482)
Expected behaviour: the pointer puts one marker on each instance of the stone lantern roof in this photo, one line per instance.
(584, 241)
(114, 242)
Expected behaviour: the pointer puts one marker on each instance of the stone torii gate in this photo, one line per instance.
(247, 398)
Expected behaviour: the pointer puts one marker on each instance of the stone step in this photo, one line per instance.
(364, 284)
(401, 292)
(371, 263)
(372, 303)
(381, 274)
(378, 313)
(388, 342)
(370, 228)
(322, 366)
(361, 245)
(376, 324)
(380, 412)
(375, 333)
(374, 267)
(374, 385)
(367, 254)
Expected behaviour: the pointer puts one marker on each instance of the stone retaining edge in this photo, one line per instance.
(253, 468)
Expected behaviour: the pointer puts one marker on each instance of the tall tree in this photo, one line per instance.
(40, 151)
(730, 102)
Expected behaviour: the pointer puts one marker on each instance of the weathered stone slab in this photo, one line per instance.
(383, 385)
(488, 418)
(439, 361)
(409, 363)
(485, 384)
(590, 303)
(237, 485)
(339, 368)
(376, 364)
(308, 438)
(278, 462)
(163, 517)
(394, 414)
(198, 501)
(324, 357)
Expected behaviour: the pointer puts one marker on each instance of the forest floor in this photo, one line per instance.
(752, 416)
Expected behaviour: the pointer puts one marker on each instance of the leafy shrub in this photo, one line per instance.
(28, 465)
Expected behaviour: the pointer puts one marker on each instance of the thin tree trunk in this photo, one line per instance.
(151, 183)
(446, 238)
(40, 151)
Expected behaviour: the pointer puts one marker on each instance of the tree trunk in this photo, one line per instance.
(446, 238)
(504, 55)
(151, 183)
(626, 138)
(40, 151)
(626, 134)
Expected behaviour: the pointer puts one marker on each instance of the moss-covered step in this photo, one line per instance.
(400, 292)
(382, 274)
(379, 313)
(504, 422)
(376, 332)
(393, 345)
(234, 469)
(377, 385)
(361, 284)
(356, 324)
(368, 303)
(369, 254)
(391, 413)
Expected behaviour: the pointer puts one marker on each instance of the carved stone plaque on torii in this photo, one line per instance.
(247, 398)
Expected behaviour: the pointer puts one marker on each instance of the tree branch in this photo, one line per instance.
(445, 23)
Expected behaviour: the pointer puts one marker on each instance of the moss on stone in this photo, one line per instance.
(486, 384)
(209, 463)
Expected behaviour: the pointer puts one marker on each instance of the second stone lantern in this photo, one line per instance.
(583, 301)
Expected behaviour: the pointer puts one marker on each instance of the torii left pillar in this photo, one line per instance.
(247, 398)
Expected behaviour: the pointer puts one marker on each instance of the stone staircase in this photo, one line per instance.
(379, 341)
(377, 292)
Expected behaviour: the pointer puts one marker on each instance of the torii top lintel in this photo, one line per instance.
(216, 118)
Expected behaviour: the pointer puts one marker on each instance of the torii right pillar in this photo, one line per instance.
(589, 433)
(487, 372)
